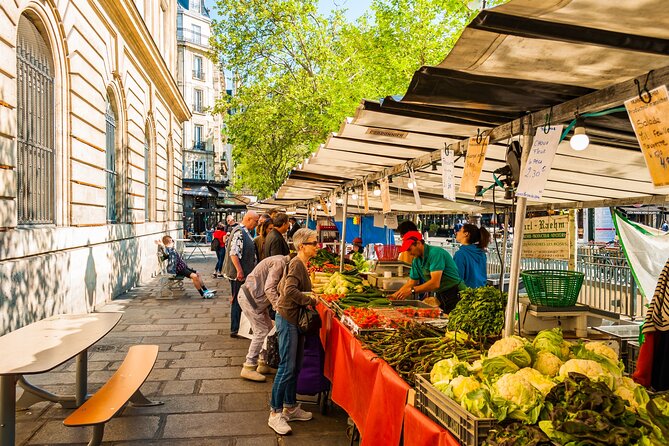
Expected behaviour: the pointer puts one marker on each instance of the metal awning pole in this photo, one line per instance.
(505, 239)
(342, 246)
(518, 230)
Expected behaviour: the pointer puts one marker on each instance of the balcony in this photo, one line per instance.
(198, 74)
(196, 38)
(198, 108)
(200, 146)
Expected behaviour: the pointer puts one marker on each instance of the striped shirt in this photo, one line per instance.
(657, 317)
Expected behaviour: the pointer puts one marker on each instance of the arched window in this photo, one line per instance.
(35, 126)
(111, 171)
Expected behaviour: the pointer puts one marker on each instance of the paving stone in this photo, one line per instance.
(169, 340)
(210, 373)
(215, 424)
(236, 385)
(119, 428)
(187, 442)
(192, 320)
(265, 440)
(186, 346)
(178, 388)
(236, 402)
(199, 362)
(199, 354)
(178, 404)
(193, 332)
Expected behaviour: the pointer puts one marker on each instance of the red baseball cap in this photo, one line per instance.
(357, 241)
(409, 239)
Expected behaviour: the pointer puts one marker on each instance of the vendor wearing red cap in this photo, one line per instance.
(356, 250)
(435, 268)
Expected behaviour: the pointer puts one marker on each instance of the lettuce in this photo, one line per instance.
(447, 369)
(552, 341)
(495, 367)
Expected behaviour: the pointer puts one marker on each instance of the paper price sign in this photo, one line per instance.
(473, 165)
(416, 195)
(385, 195)
(448, 174)
(651, 126)
(546, 237)
(534, 176)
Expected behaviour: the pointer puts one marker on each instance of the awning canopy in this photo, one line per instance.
(548, 58)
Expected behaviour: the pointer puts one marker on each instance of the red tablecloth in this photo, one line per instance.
(366, 387)
(419, 430)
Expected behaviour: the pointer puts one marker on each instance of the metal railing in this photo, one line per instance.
(198, 74)
(200, 145)
(188, 35)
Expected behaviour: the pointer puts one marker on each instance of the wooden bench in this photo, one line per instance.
(122, 387)
(168, 282)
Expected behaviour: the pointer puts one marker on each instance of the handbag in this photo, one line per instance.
(308, 321)
(273, 358)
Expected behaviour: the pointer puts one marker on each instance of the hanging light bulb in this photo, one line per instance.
(339, 200)
(319, 206)
(377, 191)
(579, 141)
(410, 184)
(354, 195)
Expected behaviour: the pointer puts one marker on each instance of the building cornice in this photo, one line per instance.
(128, 21)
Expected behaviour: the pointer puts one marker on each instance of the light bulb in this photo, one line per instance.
(579, 141)
(340, 200)
(319, 207)
(377, 191)
(410, 185)
(354, 195)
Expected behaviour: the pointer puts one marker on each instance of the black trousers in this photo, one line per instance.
(449, 298)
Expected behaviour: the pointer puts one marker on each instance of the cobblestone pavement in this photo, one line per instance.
(196, 375)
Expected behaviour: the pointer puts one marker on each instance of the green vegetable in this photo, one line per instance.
(480, 404)
(514, 348)
(598, 352)
(461, 386)
(480, 312)
(547, 363)
(553, 342)
(517, 434)
(447, 369)
(495, 367)
(539, 381)
(523, 400)
(591, 369)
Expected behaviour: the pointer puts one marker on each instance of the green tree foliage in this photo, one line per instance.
(298, 74)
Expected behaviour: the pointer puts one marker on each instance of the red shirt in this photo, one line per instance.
(219, 234)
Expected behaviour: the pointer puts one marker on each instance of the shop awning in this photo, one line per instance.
(202, 191)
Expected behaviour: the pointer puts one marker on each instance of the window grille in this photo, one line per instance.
(110, 148)
(35, 127)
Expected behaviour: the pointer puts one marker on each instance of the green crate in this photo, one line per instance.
(552, 288)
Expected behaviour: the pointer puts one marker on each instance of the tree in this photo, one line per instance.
(298, 74)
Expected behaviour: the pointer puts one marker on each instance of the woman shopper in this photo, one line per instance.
(284, 407)
(263, 229)
(471, 258)
(219, 234)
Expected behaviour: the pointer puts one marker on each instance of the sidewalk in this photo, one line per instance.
(196, 375)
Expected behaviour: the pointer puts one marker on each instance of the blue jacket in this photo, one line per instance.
(471, 263)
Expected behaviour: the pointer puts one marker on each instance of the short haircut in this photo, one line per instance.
(292, 219)
(166, 239)
(302, 235)
(280, 219)
(406, 226)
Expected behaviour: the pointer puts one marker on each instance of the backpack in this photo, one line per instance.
(215, 244)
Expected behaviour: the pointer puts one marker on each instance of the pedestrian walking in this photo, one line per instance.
(219, 235)
(239, 263)
(256, 296)
(292, 298)
(177, 266)
(275, 243)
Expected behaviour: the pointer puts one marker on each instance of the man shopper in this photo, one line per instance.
(435, 267)
(275, 243)
(256, 296)
(239, 263)
(294, 226)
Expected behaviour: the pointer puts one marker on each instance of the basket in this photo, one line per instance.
(552, 288)
(468, 429)
(387, 252)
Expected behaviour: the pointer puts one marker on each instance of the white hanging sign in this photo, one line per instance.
(448, 174)
(416, 195)
(378, 220)
(385, 195)
(365, 196)
(390, 221)
(534, 176)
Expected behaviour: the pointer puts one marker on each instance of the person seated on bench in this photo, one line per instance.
(177, 266)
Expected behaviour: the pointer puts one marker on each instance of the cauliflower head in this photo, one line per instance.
(461, 386)
(539, 381)
(553, 342)
(547, 363)
(602, 349)
(447, 369)
(591, 369)
(518, 390)
(506, 345)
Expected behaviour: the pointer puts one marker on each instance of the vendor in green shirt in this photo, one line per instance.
(432, 269)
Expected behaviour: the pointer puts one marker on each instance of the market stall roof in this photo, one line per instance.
(528, 56)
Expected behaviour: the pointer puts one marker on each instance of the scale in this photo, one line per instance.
(389, 275)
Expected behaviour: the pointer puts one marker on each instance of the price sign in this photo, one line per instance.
(416, 195)
(390, 221)
(651, 126)
(385, 195)
(448, 174)
(546, 237)
(534, 176)
(473, 165)
(365, 196)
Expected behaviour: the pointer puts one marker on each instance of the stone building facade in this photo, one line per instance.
(90, 151)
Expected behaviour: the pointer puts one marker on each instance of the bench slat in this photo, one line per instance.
(129, 377)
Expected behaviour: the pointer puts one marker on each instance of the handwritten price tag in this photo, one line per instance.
(651, 126)
(534, 176)
(447, 174)
(473, 165)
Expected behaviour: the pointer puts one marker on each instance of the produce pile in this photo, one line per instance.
(365, 318)
(415, 348)
(328, 262)
(339, 283)
(571, 393)
(480, 312)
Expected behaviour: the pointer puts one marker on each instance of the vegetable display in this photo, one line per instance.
(364, 317)
(416, 348)
(480, 312)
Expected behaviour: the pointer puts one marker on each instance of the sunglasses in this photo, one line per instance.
(310, 243)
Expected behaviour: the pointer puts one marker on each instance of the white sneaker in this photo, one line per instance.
(277, 421)
(209, 294)
(296, 414)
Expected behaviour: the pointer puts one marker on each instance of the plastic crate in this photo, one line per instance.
(468, 429)
(632, 355)
(387, 252)
(552, 288)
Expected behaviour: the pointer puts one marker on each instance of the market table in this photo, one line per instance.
(365, 386)
(419, 430)
(199, 240)
(39, 348)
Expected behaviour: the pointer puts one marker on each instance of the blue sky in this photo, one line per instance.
(355, 8)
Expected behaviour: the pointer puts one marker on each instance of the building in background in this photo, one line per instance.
(90, 151)
(207, 157)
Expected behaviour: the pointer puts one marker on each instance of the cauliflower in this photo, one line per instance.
(539, 381)
(547, 363)
(602, 349)
(518, 390)
(553, 342)
(513, 348)
(591, 369)
(634, 394)
(461, 386)
(447, 369)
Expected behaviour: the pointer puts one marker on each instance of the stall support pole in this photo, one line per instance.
(573, 236)
(518, 231)
(505, 239)
(342, 246)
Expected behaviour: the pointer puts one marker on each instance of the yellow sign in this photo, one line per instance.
(473, 165)
(546, 238)
(651, 126)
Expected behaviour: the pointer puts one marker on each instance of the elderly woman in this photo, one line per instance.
(292, 298)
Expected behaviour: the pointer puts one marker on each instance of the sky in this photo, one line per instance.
(355, 8)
